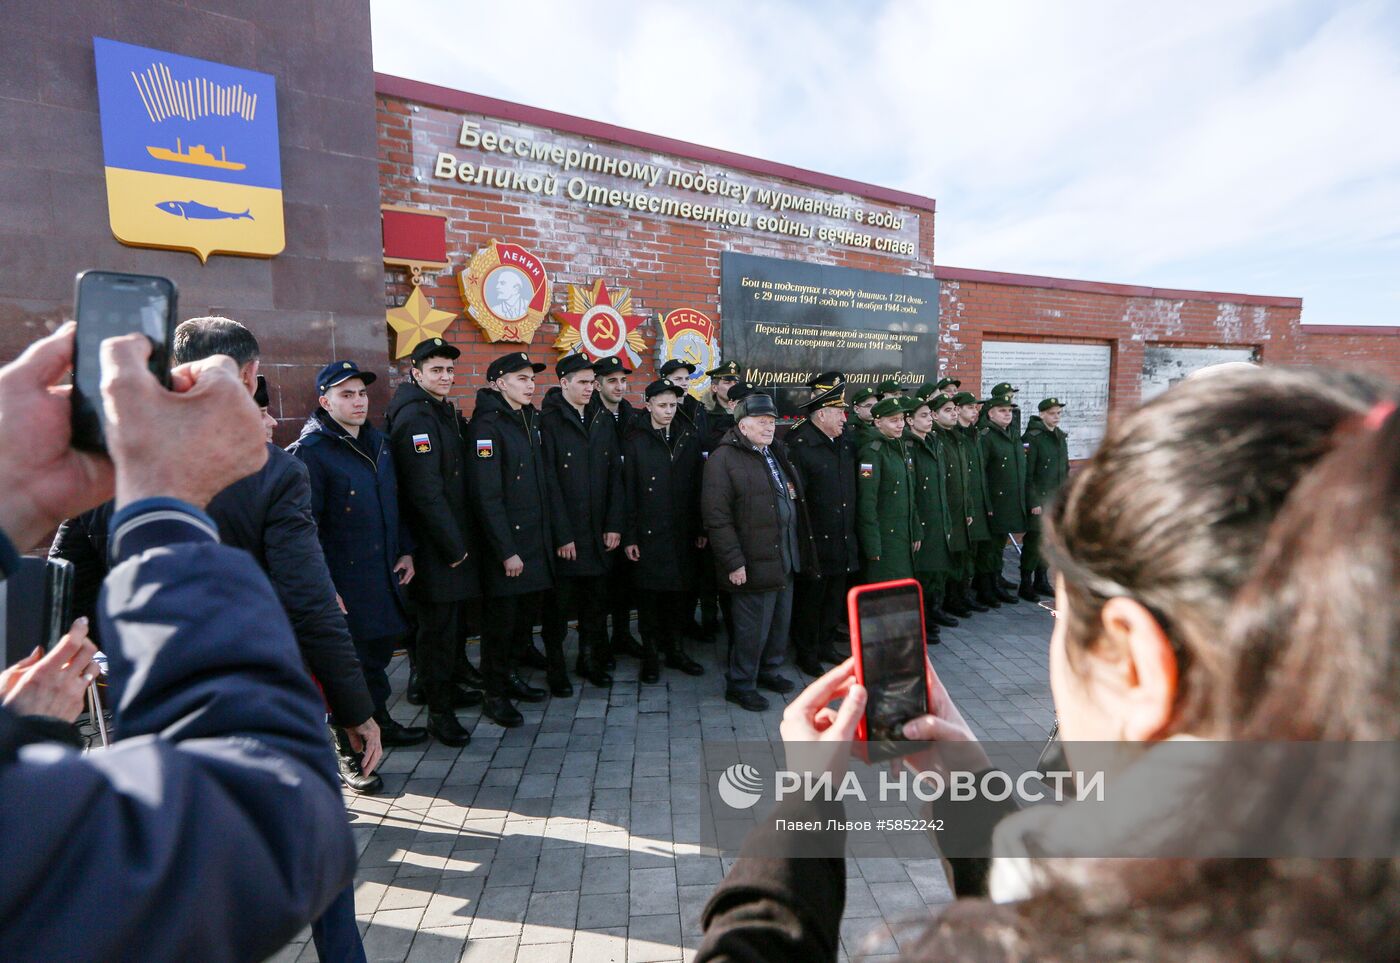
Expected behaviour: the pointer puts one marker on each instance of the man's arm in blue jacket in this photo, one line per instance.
(213, 829)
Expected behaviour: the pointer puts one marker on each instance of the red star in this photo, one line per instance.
(603, 338)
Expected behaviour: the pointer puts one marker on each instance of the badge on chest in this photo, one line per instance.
(422, 444)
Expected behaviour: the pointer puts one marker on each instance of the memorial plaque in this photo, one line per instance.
(786, 321)
(1077, 374)
(1163, 365)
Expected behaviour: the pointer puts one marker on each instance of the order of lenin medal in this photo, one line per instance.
(507, 291)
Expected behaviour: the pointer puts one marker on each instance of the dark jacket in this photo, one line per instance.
(83, 542)
(1005, 460)
(827, 470)
(512, 498)
(739, 505)
(269, 515)
(583, 472)
(622, 420)
(426, 437)
(693, 411)
(887, 515)
(954, 486)
(976, 490)
(931, 501)
(355, 501)
(661, 483)
(213, 829)
(717, 425)
(1047, 466)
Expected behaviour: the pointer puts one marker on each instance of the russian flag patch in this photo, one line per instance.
(484, 448)
(422, 444)
(867, 469)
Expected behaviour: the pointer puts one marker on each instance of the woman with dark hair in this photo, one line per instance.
(1153, 541)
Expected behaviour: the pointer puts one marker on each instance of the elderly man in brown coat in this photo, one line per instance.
(756, 519)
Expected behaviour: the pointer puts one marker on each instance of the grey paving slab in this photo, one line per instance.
(566, 839)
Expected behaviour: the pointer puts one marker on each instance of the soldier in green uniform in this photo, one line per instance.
(861, 428)
(954, 461)
(1047, 467)
(933, 561)
(1005, 462)
(978, 531)
(948, 386)
(887, 522)
(889, 388)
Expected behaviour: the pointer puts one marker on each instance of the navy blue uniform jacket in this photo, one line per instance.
(213, 829)
(355, 501)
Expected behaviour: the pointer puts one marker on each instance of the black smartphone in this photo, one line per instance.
(887, 640)
(106, 305)
(36, 605)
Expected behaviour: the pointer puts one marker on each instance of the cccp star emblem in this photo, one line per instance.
(415, 321)
(600, 323)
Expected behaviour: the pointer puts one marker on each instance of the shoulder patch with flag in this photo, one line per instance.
(485, 448)
(867, 469)
(422, 444)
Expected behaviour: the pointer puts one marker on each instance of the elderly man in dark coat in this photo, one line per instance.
(583, 473)
(425, 433)
(661, 473)
(824, 458)
(355, 501)
(756, 518)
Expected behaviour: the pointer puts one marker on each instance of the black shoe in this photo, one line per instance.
(534, 658)
(348, 762)
(651, 669)
(500, 711)
(1027, 589)
(983, 584)
(955, 604)
(444, 727)
(415, 694)
(931, 634)
(392, 734)
(464, 698)
(518, 688)
(1042, 583)
(1006, 583)
(971, 602)
(468, 675)
(748, 699)
(940, 617)
(1001, 594)
(809, 665)
(677, 659)
(775, 683)
(560, 687)
(599, 676)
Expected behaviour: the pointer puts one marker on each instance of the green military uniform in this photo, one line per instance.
(955, 495)
(860, 431)
(887, 519)
(1002, 389)
(1005, 462)
(933, 563)
(1047, 468)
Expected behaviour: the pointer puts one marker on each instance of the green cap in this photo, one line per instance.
(938, 401)
(888, 406)
(949, 382)
(964, 398)
(864, 394)
(1004, 388)
(998, 401)
(888, 386)
(1051, 403)
(926, 389)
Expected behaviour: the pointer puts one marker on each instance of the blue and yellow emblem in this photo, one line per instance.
(191, 152)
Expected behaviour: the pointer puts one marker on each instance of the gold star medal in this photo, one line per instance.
(416, 321)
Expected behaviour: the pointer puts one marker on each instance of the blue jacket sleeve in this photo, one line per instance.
(214, 828)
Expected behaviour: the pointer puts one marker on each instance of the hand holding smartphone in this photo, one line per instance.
(107, 305)
(887, 641)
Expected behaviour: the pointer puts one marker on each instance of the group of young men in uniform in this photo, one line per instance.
(944, 479)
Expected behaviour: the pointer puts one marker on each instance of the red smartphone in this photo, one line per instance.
(887, 641)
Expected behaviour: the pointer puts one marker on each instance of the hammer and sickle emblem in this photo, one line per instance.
(692, 354)
(603, 328)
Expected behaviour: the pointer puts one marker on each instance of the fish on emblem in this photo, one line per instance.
(193, 210)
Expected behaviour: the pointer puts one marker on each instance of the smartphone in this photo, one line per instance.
(887, 640)
(106, 305)
(36, 605)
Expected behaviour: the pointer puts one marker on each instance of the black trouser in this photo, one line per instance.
(507, 623)
(620, 598)
(990, 555)
(585, 595)
(375, 655)
(653, 610)
(436, 651)
(1030, 553)
(816, 608)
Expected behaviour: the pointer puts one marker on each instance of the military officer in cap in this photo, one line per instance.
(610, 399)
(1047, 468)
(355, 501)
(887, 519)
(1002, 389)
(954, 460)
(661, 468)
(889, 388)
(933, 562)
(512, 503)
(978, 532)
(823, 456)
(1005, 462)
(948, 386)
(426, 434)
(720, 413)
(583, 461)
(861, 426)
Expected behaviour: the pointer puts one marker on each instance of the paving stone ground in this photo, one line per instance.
(562, 841)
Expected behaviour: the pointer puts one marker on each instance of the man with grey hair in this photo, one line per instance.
(759, 544)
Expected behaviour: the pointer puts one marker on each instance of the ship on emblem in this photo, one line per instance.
(197, 154)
